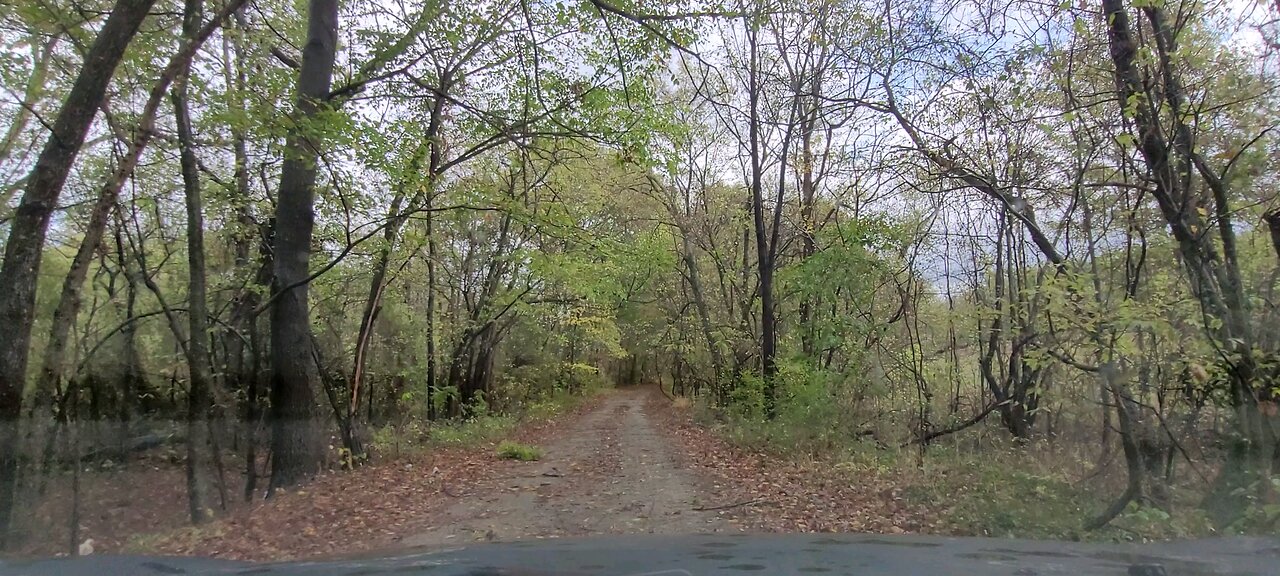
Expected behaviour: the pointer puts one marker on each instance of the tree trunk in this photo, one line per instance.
(132, 381)
(704, 315)
(245, 362)
(200, 375)
(1169, 154)
(764, 260)
(808, 192)
(432, 409)
(30, 224)
(295, 451)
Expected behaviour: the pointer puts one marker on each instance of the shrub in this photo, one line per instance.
(517, 451)
(472, 430)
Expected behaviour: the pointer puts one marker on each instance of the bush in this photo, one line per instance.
(811, 412)
(517, 451)
(472, 430)
(989, 496)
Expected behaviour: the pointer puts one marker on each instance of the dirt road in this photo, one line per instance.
(610, 472)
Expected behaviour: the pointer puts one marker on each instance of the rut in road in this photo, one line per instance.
(611, 472)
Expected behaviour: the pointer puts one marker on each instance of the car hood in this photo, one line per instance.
(736, 555)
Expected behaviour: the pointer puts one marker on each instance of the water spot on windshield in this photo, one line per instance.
(711, 556)
(163, 568)
(906, 543)
(988, 556)
(1041, 553)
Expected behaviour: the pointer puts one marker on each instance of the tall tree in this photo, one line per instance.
(200, 378)
(23, 251)
(295, 450)
(1187, 189)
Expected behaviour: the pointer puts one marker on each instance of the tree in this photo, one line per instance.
(23, 250)
(1155, 102)
(294, 441)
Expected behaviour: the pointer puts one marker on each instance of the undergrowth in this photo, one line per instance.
(512, 450)
(1005, 489)
(485, 426)
(976, 498)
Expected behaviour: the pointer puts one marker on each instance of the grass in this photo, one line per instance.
(981, 499)
(1002, 492)
(415, 436)
(517, 451)
(472, 431)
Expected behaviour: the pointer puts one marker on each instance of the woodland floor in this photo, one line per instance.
(626, 462)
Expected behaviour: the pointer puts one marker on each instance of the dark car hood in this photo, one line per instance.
(736, 555)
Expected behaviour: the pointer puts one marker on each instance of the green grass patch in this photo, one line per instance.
(472, 431)
(517, 451)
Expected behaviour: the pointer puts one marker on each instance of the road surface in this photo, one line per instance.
(609, 472)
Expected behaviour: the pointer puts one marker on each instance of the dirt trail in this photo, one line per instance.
(609, 472)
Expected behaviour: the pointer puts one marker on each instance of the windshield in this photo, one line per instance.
(290, 280)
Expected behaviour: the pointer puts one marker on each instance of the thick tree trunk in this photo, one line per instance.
(295, 450)
(30, 223)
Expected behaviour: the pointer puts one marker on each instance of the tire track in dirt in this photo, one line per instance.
(610, 472)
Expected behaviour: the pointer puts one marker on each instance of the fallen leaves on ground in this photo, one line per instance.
(142, 507)
(764, 492)
(369, 508)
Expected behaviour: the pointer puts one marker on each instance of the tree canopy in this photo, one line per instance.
(290, 225)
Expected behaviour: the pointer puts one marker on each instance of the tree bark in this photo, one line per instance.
(1169, 154)
(295, 451)
(764, 260)
(30, 224)
(200, 373)
(432, 409)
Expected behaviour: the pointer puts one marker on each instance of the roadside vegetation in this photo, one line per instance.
(1013, 263)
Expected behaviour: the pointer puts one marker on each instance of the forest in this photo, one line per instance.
(1024, 246)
